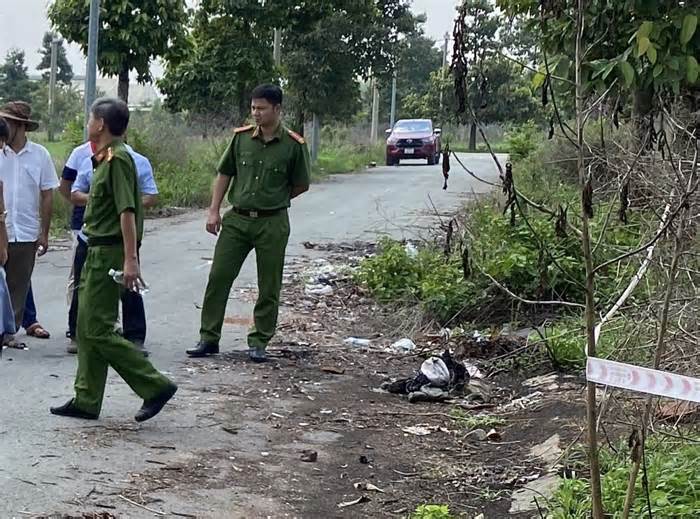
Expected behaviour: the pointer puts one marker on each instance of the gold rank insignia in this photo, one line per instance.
(296, 136)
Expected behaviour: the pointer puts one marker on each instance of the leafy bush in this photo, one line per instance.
(674, 482)
(426, 276)
(432, 512)
(522, 140)
(183, 162)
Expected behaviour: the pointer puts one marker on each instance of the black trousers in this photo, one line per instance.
(133, 311)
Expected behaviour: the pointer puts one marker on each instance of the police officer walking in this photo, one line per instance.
(268, 166)
(114, 227)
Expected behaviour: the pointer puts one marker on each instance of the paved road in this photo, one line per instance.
(48, 464)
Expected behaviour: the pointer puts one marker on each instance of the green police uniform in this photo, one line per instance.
(114, 190)
(264, 174)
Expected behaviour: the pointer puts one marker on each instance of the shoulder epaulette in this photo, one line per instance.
(294, 135)
(243, 129)
(110, 154)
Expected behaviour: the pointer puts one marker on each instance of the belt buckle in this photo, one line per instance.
(253, 214)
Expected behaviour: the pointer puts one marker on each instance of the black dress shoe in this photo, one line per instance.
(203, 349)
(256, 355)
(68, 409)
(152, 407)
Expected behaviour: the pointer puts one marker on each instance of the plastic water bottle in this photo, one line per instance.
(118, 277)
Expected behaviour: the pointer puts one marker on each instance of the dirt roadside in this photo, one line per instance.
(310, 435)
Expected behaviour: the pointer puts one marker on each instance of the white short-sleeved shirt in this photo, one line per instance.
(24, 176)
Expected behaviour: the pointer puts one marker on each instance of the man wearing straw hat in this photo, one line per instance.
(29, 179)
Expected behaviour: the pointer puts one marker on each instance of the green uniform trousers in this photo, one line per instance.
(268, 235)
(98, 345)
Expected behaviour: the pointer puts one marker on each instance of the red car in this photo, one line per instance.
(413, 139)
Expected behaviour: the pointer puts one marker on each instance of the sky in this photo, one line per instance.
(24, 22)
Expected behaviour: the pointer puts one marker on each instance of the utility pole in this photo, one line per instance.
(444, 63)
(91, 71)
(375, 112)
(393, 101)
(315, 137)
(277, 52)
(55, 42)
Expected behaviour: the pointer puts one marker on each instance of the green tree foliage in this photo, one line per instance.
(226, 54)
(416, 62)
(14, 80)
(328, 46)
(132, 33)
(475, 46)
(64, 70)
(645, 46)
(68, 105)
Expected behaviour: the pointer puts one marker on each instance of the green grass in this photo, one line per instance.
(346, 159)
(673, 471)
(59, 150)
(478, 421)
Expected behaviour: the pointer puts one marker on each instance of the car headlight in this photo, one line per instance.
(428, 140)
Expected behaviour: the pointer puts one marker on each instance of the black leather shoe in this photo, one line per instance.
(152, 407)
(256, 355)
(203, 349)
(68, 409)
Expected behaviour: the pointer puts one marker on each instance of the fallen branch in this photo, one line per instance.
(157, 512)
(635, 280)
(529, 301)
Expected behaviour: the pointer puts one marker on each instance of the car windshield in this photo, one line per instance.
(413, 126)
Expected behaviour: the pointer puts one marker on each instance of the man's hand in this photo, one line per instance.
(3, 255)
(132, 275)
(42, 245)
(214, 222)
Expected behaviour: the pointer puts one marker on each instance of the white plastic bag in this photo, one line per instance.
(436, 371)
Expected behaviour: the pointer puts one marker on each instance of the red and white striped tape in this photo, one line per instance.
(644, 380)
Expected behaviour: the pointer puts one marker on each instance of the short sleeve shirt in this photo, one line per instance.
(78, 156)
(264, 173)
(24, 176)
(144, 173)
(114, 190)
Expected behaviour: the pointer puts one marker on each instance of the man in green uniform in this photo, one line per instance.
(269, 165)
(114, 227)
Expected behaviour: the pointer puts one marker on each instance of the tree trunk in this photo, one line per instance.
(123, 88)
(586, 214)
(472, 136)
(641, 110)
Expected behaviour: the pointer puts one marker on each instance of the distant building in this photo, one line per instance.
(140, 96)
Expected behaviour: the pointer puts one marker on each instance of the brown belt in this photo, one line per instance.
(256, 213)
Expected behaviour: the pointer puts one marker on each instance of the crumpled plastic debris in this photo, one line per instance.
(403, 346)
(411, 250)
(318, 290)
(473, 370)
(355, 341)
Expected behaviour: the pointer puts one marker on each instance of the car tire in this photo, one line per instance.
(431, 160)
(437, 158)
(389, 161)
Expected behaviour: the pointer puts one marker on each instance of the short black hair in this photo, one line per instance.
(271, 93)
(114, 112)
(4, 130)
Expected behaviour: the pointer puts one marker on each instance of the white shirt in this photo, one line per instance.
(77, 157)
(24, 176)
